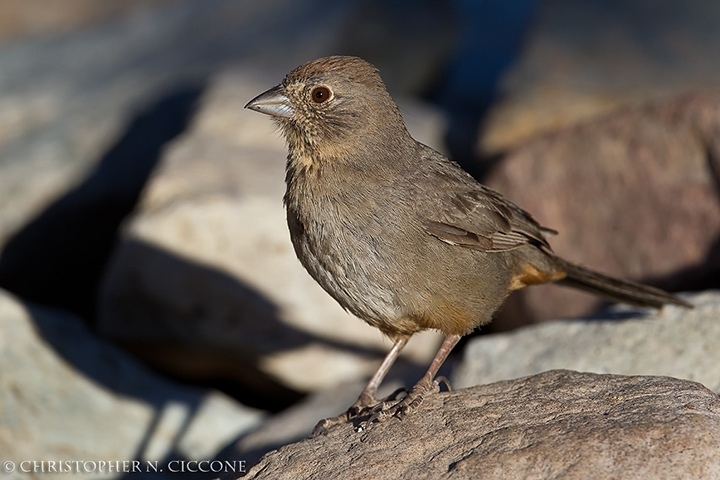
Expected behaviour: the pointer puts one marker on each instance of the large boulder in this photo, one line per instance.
(560, 424)
(21, 19)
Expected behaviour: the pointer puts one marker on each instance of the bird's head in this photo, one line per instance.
(333, 106)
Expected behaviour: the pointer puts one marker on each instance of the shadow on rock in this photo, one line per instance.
(58, 258)
(150, 417)
(217, 330)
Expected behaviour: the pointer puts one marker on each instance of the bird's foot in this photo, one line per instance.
(400, 409)
(365, 407)
(367, 411)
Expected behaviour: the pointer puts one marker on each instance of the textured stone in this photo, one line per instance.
(674, 342)
(557, 425)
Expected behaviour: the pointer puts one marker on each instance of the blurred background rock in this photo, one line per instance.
(139, 198)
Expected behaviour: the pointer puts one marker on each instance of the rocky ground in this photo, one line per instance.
(558, 424)
(145, 264)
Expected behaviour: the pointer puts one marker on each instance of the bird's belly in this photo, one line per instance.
(352, 271)
(401, 281)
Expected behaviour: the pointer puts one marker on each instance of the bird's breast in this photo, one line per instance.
(340, 240)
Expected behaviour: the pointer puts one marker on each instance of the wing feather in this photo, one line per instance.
(470, 215)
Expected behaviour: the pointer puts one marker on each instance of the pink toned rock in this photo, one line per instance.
(633, 195)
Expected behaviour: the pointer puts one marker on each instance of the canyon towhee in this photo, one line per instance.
(398, 234)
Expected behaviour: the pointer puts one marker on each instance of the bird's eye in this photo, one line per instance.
(320, 94)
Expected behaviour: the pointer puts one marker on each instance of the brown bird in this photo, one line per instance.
(397, 233)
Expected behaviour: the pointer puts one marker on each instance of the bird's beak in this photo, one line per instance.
(272, 102)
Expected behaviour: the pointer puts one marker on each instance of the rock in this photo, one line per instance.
(559, 424)
(573, 70)
(67, 395)
(634, 195)
(674, 342)
(205, 282)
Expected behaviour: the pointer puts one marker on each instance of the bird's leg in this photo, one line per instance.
(426, 384)
(366, 401)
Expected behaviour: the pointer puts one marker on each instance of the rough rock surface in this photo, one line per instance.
(67, 395)
(205, 281)
(674, 342)
(557, 425)
(635, 195)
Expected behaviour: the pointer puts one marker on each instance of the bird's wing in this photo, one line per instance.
(480, 219)
(466, 213)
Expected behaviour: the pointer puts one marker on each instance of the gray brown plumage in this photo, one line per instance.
(397, 233)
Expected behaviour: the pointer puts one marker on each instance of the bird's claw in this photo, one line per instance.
(445, 380)
(366, 411)
(400, 409)
(364, 407)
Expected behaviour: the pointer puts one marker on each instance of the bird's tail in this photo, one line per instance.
(615, 289)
